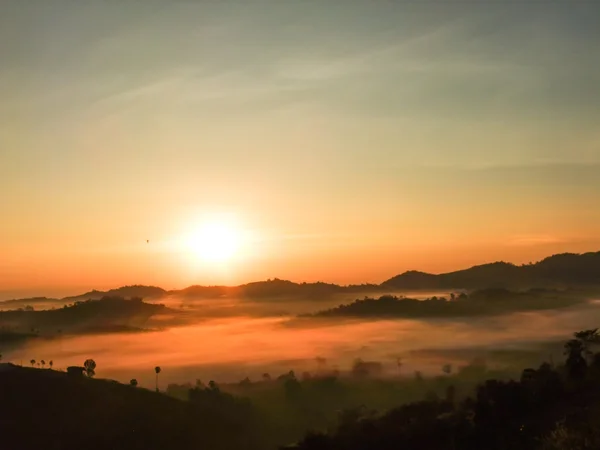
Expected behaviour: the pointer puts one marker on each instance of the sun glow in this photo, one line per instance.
(215, 242)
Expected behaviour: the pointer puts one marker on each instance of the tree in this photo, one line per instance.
(266, 377)
(575, 363)
(157, 369)
(43, 363)
(32, 362)
(447, 369)
(51, 363)
(588, 338)
(90, 367)
(133, 382)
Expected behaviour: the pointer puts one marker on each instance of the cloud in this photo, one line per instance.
(535, 239)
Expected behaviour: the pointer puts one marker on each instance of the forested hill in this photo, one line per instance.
(557, 271)
(47, 409)
(564, 270)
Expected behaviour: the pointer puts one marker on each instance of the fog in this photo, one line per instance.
(229, 348)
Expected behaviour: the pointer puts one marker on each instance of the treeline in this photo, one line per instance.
(549, 408)
(481, 302)
(291, 403)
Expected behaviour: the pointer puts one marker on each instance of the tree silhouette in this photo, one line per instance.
(575, 363)
(266, 377)
(133, 382)
(157, 369)
(90, 367)
(43, 363)
(588, 338)
(51, 363)
(32, 362)
(447, 369)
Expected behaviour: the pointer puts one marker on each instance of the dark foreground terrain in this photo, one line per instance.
(52, 410)
(549, 408)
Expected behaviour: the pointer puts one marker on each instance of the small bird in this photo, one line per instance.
(147, 241)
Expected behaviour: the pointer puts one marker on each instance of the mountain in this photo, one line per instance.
(125, 291)
(557, 271)
(272, 289)
(563, 270)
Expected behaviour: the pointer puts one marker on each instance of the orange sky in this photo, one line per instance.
(348, 143)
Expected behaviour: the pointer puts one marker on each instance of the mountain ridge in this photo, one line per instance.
(559, 270)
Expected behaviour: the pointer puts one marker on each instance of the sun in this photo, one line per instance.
(215, 242)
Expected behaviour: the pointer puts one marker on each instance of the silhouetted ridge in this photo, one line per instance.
(557, 271)
(107, 314)
(563, 270)
(481, 302)
(124, 291)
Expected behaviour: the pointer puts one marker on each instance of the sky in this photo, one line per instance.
(345, 141)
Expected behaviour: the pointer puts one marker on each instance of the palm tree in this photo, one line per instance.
(157, 370)
(32, 362)
(51, 363)
(43, 363)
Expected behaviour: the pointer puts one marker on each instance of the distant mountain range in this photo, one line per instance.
(557, 271)
(563, 270)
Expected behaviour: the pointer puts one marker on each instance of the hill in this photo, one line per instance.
(563, 270)
(273, 288)
(28, 301)
(139, 291)
(53, 410)
(478, 303)
(549, 408)
(103, 315)
(557, 271)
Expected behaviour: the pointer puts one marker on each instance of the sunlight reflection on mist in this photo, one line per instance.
(229, 349)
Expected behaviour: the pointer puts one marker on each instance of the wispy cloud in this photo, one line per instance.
(534, 239)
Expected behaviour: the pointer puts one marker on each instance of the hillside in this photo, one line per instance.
(477, 303)
(564, 270)
(271, 289)
(557, 271)
(553, 407)
(45, 409)
(140, 291)
(105, 314)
